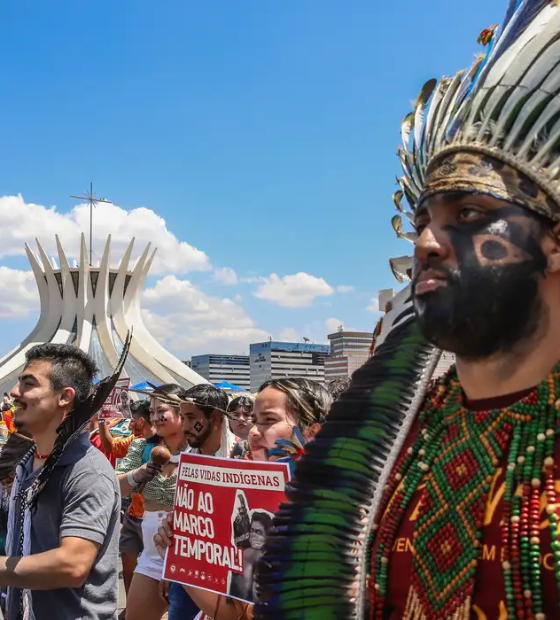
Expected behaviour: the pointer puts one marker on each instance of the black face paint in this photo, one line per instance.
(198, 426)
(491, 300)
(200, 434)
(493, 250)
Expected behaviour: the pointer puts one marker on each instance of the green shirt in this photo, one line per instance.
(159, 490)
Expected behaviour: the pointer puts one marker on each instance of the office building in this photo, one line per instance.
(349, 351)
(276, 360)
(217, 368)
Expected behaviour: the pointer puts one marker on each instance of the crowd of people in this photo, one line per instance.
(421, 500)
(64, 544)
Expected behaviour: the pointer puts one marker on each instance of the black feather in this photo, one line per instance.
(13, 452)
(77, 420)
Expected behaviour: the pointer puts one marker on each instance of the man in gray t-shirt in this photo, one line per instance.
(81, 500)
(63, 562)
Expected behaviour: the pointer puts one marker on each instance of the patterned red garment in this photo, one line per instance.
(489, 593)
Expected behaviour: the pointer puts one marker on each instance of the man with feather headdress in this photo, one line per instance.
(65, 502)
(455, 488)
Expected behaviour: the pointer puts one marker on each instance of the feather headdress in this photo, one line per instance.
(506, 107)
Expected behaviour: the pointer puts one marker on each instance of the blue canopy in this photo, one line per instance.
(145, 386)
(226, 385)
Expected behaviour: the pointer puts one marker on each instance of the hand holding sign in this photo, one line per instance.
(205, 548)
(164, 538)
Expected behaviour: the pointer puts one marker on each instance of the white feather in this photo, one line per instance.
(516, 53)
(553, 170)
(451, 111)
(550, 86)
(444, 110)
(432, 115)
(545, 59)
(510, 69)
(535, 77)
(419, 115)
(488, 107)
(543, 153)
(418, 126)
(406, 128)
(413, 170)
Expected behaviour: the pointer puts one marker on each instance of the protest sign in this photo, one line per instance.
(223, 511)
(117, 403)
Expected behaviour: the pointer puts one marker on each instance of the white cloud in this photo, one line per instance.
(294, 291)
(373, 305)
(343, 288)
(333, 324)
(23, 221)
(18, 293)
(184, 318)
(289, 334)
(181, 315)
(226, 275)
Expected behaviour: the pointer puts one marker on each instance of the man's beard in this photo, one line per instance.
(482, 310)
(198, 440)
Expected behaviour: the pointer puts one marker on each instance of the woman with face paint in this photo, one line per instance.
(146, 601)
(287, 414)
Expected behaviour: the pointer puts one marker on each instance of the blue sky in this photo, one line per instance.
(263, 132)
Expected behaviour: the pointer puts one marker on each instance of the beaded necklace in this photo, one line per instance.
(456, 455)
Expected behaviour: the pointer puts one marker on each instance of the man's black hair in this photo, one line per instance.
(70, 367)
(207, 398)
(141, 408)
(241, 402)
(168, 389)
